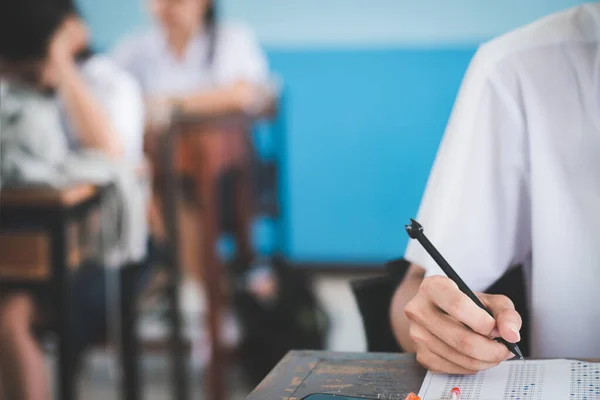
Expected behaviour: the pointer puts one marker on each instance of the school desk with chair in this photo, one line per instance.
(46, 252)
(40, 247)
(203, 149)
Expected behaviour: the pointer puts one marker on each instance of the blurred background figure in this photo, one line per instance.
(68, 116)
(191, 62)
(194, 62)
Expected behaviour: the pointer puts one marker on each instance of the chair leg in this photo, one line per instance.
(62, 304)
(129, 352)
(179, 372)
(212, 274)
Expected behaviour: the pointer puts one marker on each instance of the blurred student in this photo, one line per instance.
(516, 182)
(44, 58)
(192, 62)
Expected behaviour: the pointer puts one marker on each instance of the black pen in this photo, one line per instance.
(415, 231)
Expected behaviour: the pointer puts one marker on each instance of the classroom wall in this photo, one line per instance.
(349, 23)
(371, 84)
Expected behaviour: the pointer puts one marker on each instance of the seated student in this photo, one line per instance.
(99, 108)
(516, 182)
(192, 62)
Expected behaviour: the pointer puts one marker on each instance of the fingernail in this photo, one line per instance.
(514, 329)
(495, 333)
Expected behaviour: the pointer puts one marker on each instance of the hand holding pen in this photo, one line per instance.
(450, 331)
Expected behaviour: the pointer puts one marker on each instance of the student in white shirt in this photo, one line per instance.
(44, 46)
(192, 61)
(516, 181)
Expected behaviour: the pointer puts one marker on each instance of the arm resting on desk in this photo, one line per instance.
(241, 97)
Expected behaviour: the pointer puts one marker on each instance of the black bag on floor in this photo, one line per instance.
(291, 320)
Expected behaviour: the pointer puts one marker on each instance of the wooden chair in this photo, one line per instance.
(39, 245)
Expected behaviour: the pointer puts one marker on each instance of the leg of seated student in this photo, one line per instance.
(22, 367)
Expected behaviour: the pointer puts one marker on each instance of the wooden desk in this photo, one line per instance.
(51, 211)
(42, 216)
(38, 196)
(367, 375)
(35, 263)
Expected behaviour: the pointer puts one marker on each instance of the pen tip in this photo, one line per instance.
(518, 353)
(413, 229)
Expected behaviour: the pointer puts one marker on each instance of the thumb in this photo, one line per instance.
(508, 320)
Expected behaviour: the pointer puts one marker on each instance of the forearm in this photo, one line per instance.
(87, 115)
(405, 293)
(241, 97)
(210, 103)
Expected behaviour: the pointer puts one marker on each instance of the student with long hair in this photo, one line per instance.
(192, 61)
(94, 105)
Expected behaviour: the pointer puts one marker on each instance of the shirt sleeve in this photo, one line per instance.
(122, 99)
(125, 108)
(244, 59)
(475, 209)
(125, 54)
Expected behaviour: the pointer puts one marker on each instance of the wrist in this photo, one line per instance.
(176, 106)
(65, 69)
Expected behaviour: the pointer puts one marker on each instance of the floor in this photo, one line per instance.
(99, 378)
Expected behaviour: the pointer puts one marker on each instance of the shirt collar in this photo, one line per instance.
(198, 41)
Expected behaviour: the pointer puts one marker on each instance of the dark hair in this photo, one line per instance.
(26, 28)
(210, 23)
(67, 5)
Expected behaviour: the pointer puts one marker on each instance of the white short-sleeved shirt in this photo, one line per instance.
(237, 56)
(517, 177)
(121, 97)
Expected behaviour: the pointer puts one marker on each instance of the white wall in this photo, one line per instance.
(310, 23)
(384, 22)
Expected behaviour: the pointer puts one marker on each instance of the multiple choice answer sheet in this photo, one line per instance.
(520, 380)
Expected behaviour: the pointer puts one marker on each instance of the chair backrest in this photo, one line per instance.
(25, 250)
(26, 255)
(374, 296)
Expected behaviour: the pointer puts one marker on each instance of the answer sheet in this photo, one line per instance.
(520, 380)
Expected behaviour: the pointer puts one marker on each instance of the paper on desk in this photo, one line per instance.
(518, 380)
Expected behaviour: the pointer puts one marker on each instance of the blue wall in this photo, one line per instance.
(364, 126)
(371, 84)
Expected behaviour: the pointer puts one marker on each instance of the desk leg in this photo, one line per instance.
(180, 376)
(62, 307)
(207, 180)
(244, 212)
(130, 354)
